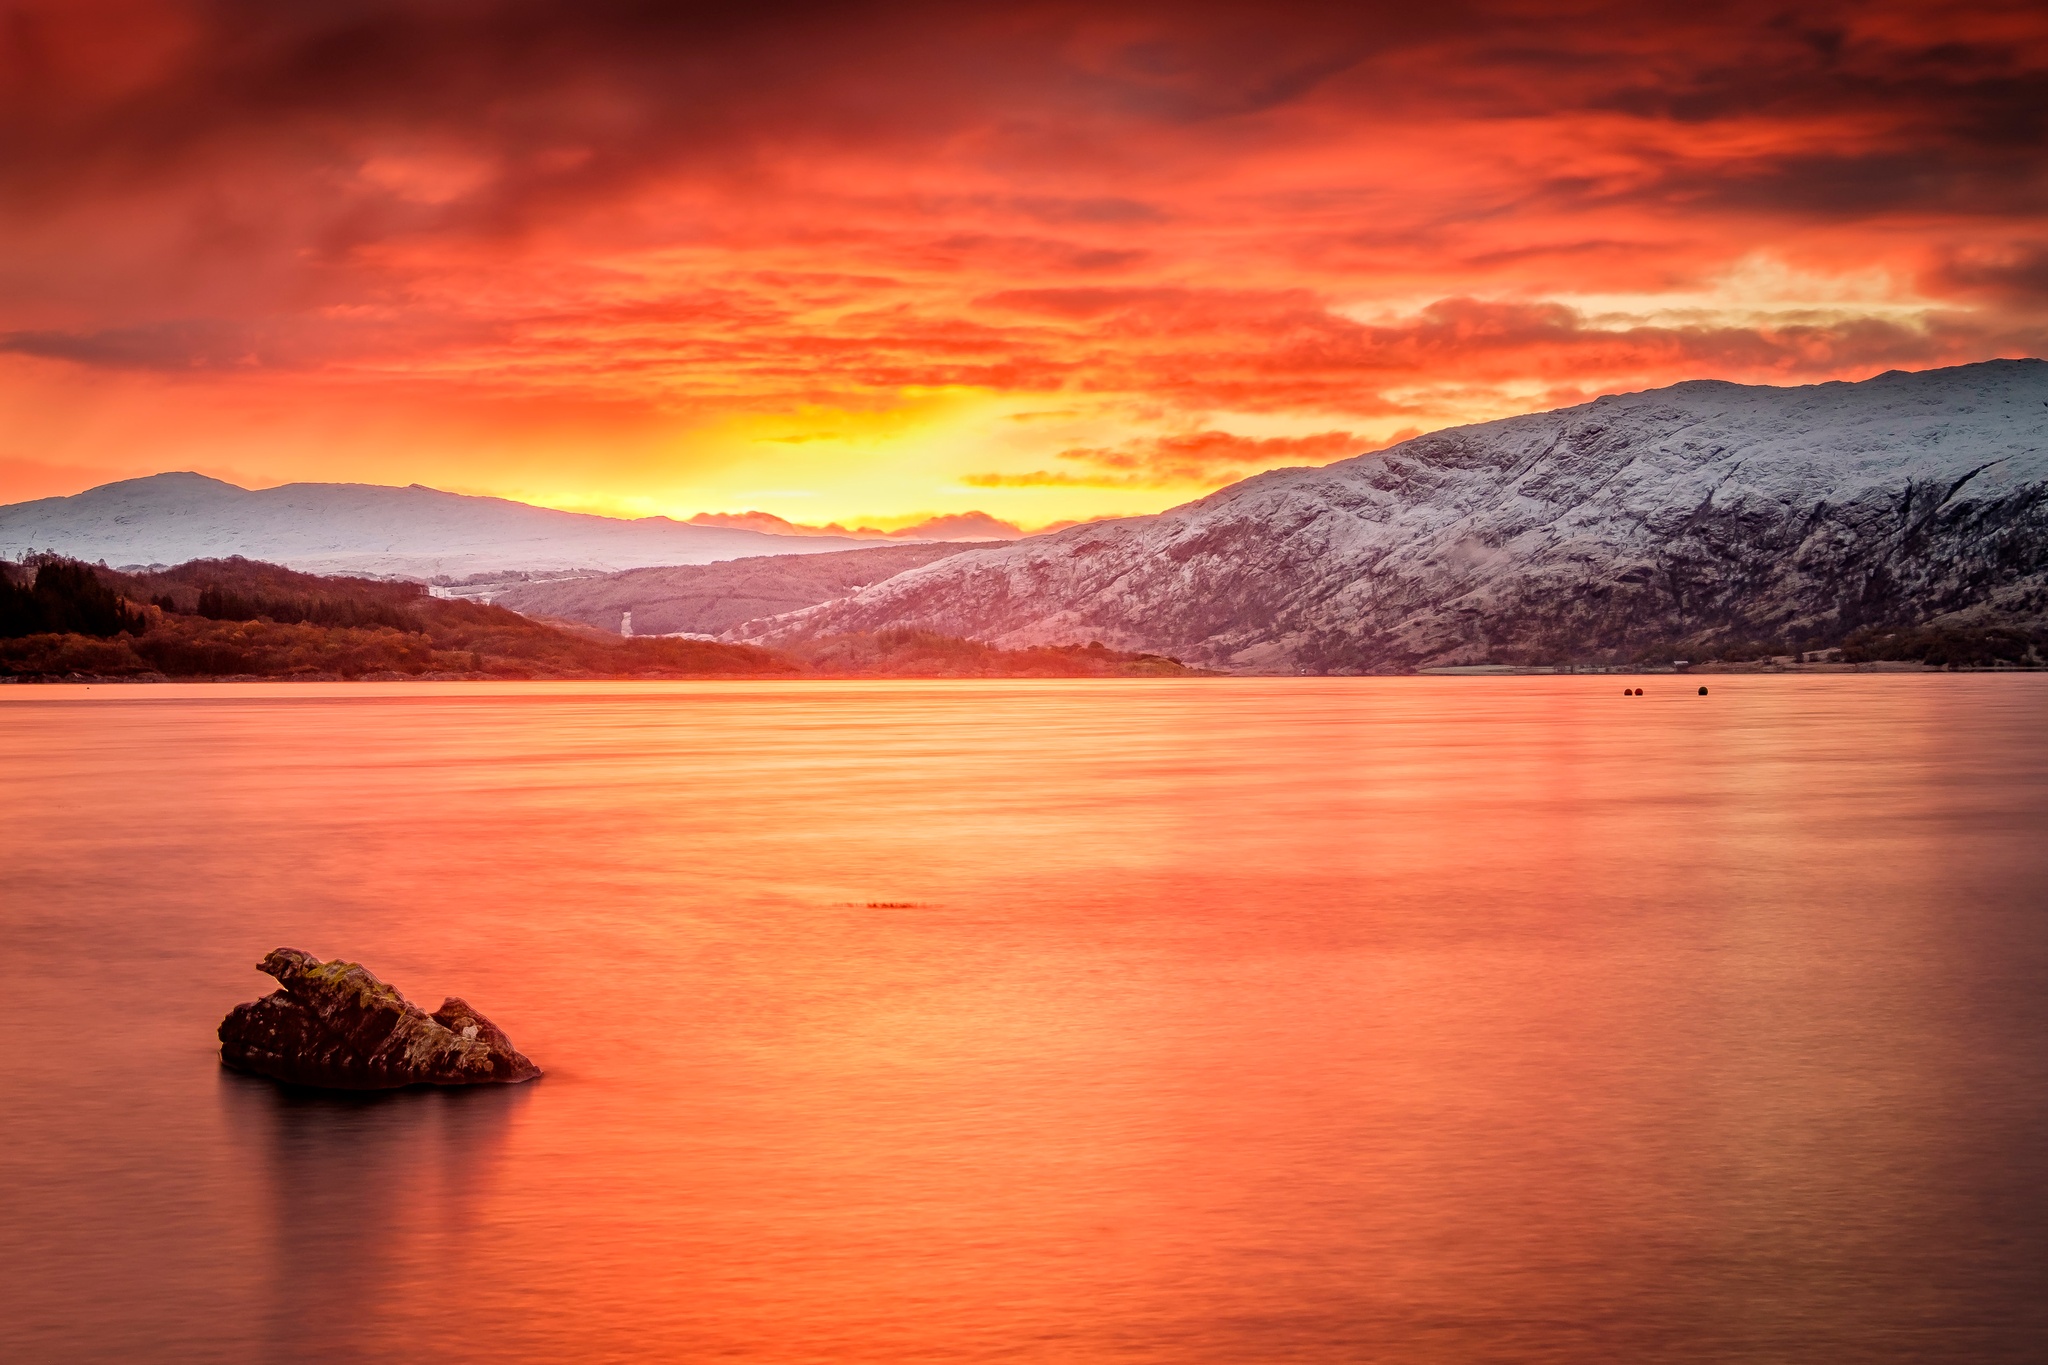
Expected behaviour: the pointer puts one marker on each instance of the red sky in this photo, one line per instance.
(867, 263)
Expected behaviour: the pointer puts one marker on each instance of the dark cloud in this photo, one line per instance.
(181, 345)
(2014, 276)
(1100, 209)
(390, 120)
(1828, 186)
(275, 344)
(587, 100)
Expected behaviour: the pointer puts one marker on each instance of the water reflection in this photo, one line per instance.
(1268, 1020)
(375, 1209)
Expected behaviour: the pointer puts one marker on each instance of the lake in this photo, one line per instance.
(1232, 1020)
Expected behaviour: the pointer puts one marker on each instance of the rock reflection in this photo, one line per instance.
(375, 1209)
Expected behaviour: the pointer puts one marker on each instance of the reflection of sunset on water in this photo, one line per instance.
(1236, 1019)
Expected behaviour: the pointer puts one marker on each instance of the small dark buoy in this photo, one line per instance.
(1626, 693)
(1639, 691)
(1703, 691)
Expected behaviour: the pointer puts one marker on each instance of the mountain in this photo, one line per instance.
(705, 599)
(1679, 520)
(363, 528)
(951, 526)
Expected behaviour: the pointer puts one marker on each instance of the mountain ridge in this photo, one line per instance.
(1673, 519)
(380, 529)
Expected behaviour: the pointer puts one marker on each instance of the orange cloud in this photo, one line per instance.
(459, 229)
(1196, 458)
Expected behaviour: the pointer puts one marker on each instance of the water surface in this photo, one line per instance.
(1489, 1019)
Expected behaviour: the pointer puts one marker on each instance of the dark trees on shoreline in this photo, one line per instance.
(66, 598)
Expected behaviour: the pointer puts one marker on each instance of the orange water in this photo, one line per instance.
(1498, 1019)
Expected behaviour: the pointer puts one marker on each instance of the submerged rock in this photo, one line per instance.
(335, 1025)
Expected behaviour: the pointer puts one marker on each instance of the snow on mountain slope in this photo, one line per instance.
(708, 598)
(1668, 519)
(364, 529)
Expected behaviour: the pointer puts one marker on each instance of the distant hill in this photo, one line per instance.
(359, 528)
(707, 599)
(1698, 521)
(965, 526)
(237, 618)
(234, 618)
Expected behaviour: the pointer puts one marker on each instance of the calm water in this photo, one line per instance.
(1222, 1021)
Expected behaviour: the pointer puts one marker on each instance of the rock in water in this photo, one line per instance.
(335, 1025)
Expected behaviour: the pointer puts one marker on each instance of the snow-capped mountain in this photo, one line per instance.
(1679, 517)
(363, 529)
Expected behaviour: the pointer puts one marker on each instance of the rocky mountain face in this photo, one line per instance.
(705, 599)
(354, 528)
(1668, 522)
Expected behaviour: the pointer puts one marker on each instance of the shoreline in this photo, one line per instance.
(1583, 670)
(1892, 667)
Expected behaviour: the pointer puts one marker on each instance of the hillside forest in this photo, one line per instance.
(237, 618)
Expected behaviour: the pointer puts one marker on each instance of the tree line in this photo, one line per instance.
(65, 598)
(217, 603)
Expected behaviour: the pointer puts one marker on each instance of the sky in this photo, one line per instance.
(872, 263)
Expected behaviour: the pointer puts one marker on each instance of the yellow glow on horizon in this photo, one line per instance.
(894, 465)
